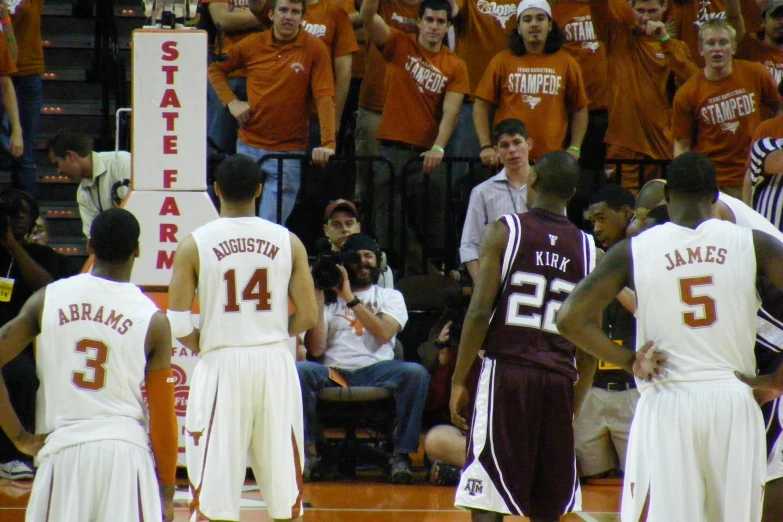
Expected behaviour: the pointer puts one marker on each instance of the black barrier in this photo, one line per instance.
(642, 163)
(453, 215)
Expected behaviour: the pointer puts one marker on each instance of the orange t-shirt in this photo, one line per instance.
(638, 73)
(398, 15)
(482, 30)
(541, 90)
(230, 39)
(576, 25)
(771, 128)
(27, 30)
(417, 81)
(7, 65)
(720, 116)
(329, 22)
(282, 80)
(357, 65)
(754, 50)
(689, 17)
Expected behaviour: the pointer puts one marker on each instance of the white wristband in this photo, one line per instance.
(181, 325)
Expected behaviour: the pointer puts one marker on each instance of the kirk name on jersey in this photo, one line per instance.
(544, 258)
(709, 254)
(245, 245)
(84, 312)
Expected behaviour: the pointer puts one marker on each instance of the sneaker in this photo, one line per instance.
(16, 470)
(444, 475)
(400, 472)
(311, 470)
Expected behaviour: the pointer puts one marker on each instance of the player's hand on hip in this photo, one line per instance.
(649, 363)
(765, 387)
(30, 444)
(489, 157)
(321, 155)
(458, 405)
(432, 160)
(239, 110)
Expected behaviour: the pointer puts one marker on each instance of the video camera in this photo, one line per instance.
(326, 274)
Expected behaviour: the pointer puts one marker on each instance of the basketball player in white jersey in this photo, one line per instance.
(697, 441)
(100, 340)
(245, 398)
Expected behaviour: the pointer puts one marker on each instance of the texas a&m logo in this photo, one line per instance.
(474, 487)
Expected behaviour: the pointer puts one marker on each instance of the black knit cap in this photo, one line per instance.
(356, 242)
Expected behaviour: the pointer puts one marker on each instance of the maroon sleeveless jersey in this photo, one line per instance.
(546, 256)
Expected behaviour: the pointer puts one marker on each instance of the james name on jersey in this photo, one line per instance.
(711, 254)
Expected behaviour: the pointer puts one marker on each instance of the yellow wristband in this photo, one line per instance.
(575, 149)
(437, 148)
(665, 39)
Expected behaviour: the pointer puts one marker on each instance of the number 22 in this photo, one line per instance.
(535, 300)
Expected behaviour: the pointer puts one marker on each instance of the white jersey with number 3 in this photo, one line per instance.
(697, 299)
(244, 272)
(91, 361)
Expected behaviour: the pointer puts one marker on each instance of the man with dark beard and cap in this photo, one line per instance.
(355, 337)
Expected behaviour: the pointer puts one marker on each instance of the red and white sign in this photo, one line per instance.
(166, 218)
(169, 118)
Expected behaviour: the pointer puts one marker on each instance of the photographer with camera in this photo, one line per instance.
(445, 445)
(24, 268)
(104, 177)
(341, 220)
(355, 338)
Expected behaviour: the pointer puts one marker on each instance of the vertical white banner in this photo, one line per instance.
(169, 118)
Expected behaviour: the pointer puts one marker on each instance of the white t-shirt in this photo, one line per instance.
(348, 343)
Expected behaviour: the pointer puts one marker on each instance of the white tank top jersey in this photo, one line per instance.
(244, 272)
(697, 300)
(745, 216)
(91, 360)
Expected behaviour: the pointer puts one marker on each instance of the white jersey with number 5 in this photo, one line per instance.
(697, 299)
(244, 271)
(91, 361)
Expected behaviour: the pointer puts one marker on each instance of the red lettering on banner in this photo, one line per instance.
(169, 178)
(170, 52)
(170, 99)
(167, 231)
(170, 145)
(165, 260)
(170, 118)
(169, 70)
(169, 207)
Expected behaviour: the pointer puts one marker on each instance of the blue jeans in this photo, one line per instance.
(292, 179)
(221, 125)
(463, 142)
(29, 99)
(410, 382)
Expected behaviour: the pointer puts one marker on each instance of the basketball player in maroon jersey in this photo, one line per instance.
(521, 449)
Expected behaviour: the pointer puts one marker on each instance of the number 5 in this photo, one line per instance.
(710, 310)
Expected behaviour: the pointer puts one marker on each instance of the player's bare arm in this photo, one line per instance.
(15, 336)
(476, 323)
(163, 419)
(773, 163)
(374, 27)
(301, 291)
(182, 292)
(315, 338)
(381, 326)
(577, 318)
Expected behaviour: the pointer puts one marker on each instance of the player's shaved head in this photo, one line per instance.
(557, 174)
(651, 194)
(692, 174)
(238, 178)
(114, 235)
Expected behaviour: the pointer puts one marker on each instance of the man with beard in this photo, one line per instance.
(355, 337)
(717, 109)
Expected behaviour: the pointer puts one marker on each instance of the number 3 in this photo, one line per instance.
(97, 364)
(710, 310)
